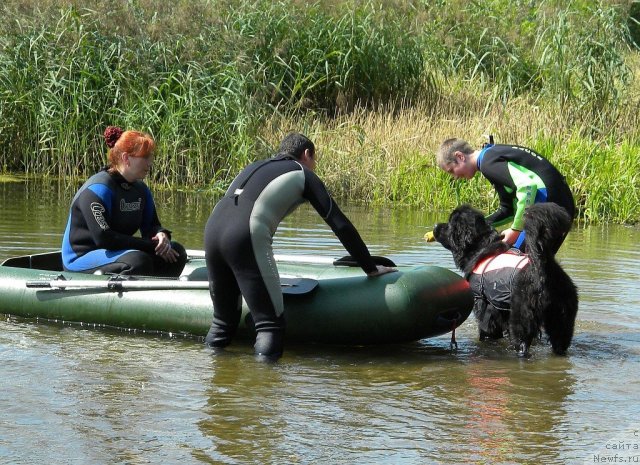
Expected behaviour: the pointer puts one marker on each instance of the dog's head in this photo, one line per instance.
(467, 235)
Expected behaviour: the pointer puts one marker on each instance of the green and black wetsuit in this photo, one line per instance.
(521, 177)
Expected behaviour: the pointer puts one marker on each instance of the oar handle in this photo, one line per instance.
(289, 285)
(39, 284)
(312, 259)
(62, 284)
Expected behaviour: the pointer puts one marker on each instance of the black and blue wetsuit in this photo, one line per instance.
(105, 214)
(238, 246)
(521, 177)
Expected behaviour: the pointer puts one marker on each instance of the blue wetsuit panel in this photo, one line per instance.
(105, 214)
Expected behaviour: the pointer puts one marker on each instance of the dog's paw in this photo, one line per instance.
(523, 350)
(494, 335)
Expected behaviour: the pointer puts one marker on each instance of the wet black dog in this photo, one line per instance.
(515, 293)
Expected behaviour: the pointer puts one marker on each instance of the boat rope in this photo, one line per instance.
(453, 343)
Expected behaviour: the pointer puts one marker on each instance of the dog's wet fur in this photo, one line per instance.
(543, 295)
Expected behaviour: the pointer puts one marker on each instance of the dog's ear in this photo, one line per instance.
(481, 225)
(438, 231)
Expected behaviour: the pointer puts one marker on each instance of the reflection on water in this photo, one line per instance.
(78, 395)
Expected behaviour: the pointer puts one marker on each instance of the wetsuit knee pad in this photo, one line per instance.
(131, 263)
(171, 270)
(182, 259)
(111, 268)
(269, 343)
(138, 262)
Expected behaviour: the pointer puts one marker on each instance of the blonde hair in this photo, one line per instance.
(446, 152)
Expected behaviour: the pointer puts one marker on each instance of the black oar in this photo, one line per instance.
(350, 261)
(288, 285)
(312, 259)
(347, 260)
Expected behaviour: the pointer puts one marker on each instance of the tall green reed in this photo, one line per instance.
(218, 83)
(63, 84)
(312, 58)
(201, 95)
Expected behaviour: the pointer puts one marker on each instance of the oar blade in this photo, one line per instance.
(350, 261)
(297, 286)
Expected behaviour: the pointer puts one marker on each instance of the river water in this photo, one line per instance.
(77, 395)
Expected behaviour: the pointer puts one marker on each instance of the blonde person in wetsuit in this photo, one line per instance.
(238, 242)
(111, 207)
(520, 176)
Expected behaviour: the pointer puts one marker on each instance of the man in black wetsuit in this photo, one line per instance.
(520, 176)
(238, 242)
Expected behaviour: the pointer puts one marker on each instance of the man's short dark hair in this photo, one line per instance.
(295, 144)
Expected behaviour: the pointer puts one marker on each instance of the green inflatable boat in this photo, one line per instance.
(325, 302)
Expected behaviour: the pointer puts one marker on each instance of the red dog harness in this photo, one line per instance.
(492, 278)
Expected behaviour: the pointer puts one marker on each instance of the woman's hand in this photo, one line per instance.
(164, 249)
(380, 269)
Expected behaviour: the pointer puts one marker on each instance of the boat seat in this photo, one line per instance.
(50, 261)
(196, 274)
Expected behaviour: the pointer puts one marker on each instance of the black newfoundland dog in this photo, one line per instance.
(514, 292)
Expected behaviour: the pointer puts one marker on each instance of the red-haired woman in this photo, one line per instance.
(111, 207)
